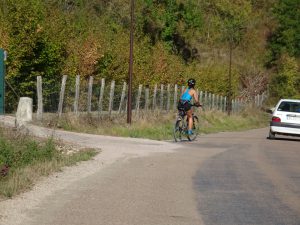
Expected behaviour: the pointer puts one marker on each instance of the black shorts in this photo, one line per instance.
(184, 105)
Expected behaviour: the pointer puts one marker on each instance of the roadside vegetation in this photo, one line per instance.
(24, 160)
(174, 40)
(155, 125)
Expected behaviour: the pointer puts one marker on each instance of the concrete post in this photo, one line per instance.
(24, 111)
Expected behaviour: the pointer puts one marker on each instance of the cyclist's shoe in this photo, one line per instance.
(190, 132)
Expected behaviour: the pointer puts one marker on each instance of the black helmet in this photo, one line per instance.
(191, 83)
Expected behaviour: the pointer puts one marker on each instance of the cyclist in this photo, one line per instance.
(185, 102)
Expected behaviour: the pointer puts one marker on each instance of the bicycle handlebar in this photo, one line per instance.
(196, 105)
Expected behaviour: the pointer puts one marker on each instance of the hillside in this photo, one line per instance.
(174, 40)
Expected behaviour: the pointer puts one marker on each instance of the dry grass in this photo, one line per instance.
(154, 125)
(213, 122)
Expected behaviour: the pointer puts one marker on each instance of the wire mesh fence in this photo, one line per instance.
(98, 96)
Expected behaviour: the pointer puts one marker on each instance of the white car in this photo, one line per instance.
(285, 118)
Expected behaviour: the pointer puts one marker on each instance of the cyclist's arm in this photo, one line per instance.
(195, 96)
(196, 99)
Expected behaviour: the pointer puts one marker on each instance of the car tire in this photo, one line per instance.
(271, 135)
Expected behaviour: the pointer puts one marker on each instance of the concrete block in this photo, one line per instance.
(24, 111)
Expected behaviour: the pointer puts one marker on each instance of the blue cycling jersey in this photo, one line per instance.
(186, 95)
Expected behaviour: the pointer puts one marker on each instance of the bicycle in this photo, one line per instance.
(181, 126)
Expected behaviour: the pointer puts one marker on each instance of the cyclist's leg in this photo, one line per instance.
(189, 114)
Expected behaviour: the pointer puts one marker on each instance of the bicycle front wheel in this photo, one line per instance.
(195, 129)
(178, 130)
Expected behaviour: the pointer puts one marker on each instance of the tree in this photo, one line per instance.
(285, 84)
(284, 46)
(234, 16)
(172, 22)
(286, 38)
(31, 51)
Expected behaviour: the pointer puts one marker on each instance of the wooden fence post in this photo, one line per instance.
(138, 99)
(39, 113)
(210, 101)
(62, 95)
(146, 98)
(175, 97)
(77, 89)
(260, 100)
(90, 92)
(122, 97)
(154, 97)
(161, 97)
(205, 98)
(100, 102)
(239, 105)
(234, 106)
(221, 103)
(111, 97)
(200, 97)
(263, 98)
(168, 97)
(255, 101)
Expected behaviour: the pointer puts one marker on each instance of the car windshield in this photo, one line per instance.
(289, 107)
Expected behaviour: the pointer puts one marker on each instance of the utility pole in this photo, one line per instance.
(2, 81)
(229, 105)
(129, 98)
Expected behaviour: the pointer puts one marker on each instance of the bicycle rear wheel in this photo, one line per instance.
(195, 129)
(178, 130)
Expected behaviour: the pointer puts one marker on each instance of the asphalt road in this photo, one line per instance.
(255, 181)
(227, 178)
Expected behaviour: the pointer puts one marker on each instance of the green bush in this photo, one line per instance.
(15, 154)
(23, 160)
(7, 156)
(285, 84)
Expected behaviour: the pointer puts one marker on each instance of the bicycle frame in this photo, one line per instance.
(181, 126)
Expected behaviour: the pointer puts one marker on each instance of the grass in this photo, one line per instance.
(155, 125)
(23, 160)
(219, 122)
